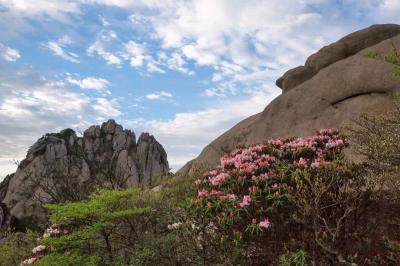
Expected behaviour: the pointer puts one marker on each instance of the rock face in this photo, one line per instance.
(337, 84)
(63, 166)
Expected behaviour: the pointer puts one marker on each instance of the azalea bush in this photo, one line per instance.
(282, 193)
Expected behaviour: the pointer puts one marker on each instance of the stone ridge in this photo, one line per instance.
(345, 47)
(62, 166)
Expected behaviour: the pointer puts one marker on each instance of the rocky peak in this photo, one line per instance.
(62, 166)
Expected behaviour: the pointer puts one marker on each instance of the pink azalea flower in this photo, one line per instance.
(174, 226)
(231, 197)
(264, 223)
(202, 193)
(198, 182)
(302, 161)
(39, 249)
(245, 202)
(218, 179)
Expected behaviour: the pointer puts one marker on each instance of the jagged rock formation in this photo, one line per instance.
(63, 166)
(338, 83)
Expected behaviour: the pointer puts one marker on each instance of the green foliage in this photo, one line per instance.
(393, 250)
(374, 55)
(298, 258)
(168, 249)
(67, 259)
(102, 205)
(16, 247)
(377, 139)
(97, 225)
(392, 57)
(120, 227)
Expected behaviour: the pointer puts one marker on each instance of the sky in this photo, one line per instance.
(184, 70)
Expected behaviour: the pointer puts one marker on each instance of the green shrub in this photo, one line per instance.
(119, 227)
(392, 57)
(16, 247)
(298, 258)
(100, 227)
(67, 259)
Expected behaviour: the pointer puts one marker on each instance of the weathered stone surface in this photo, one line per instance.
(295, 77)
(152, 157)
(63, 166)
(340, 91)
(345, 47)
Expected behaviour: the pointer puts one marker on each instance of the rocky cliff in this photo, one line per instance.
(336, 84)
(63, 166)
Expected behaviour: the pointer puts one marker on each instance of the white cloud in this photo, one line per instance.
(57, 48)
(107, 108)
(91, 83)
(98, 47)
(175, 61)
(8, 54)
(7, 166)
(139, 56)
(42, 8)
(104, 21)
(187, 133)
(31, 107)
(162, 95)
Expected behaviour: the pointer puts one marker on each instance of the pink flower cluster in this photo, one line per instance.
(174, 226)
(37, 252)
(53, 231)
(218, 179)
(252, 178)
(245, 202)
(39, 249)
(29, 261)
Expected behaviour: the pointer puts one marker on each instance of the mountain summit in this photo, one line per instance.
(64, 167)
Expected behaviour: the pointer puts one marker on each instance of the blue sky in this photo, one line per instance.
(185, 71)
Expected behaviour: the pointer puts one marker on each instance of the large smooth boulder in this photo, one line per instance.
(344, 86)
(345, 47)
